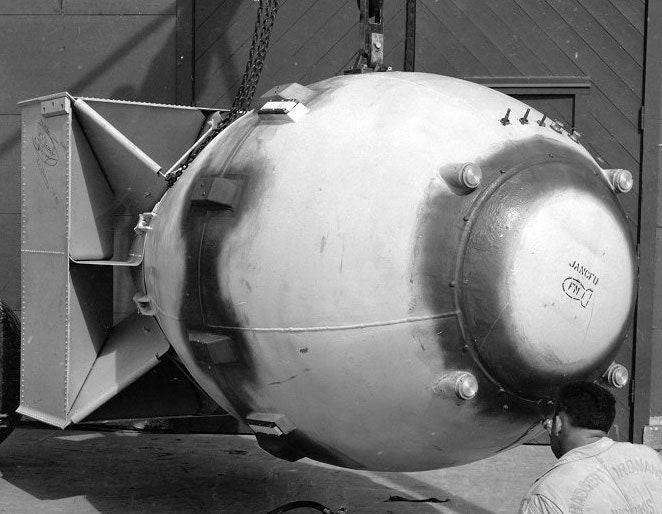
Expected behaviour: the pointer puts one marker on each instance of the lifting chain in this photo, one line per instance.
(266, 15)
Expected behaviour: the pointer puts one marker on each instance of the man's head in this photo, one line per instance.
(584, 412)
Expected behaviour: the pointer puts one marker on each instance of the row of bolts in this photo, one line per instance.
(555, 125)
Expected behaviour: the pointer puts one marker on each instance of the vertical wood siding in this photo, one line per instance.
(311, 40)
(601, 40)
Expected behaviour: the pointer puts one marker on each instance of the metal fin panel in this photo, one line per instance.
(164, 132)
(44, 336)
(133, 348)
(44, 160)
(92, 203)
(44, 265)
(74, 168)
(132, 174)
(90, 321)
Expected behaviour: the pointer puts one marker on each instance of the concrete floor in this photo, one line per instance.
(51, 471)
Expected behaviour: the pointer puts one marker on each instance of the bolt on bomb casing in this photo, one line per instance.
(345, 267)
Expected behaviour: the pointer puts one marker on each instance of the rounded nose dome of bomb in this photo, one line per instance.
(547, 277)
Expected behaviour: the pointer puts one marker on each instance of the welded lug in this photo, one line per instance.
(283, 110)
(219, 349)
(211, 122)
(217, 193)
(269, 423)
(144, 304)
(144, 221)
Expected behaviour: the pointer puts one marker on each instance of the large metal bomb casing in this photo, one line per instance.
(335, 272)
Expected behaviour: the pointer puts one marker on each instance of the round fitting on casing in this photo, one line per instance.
(466, 386)
(621, 180)
(460, 384)
(617, 375)
(470, 175)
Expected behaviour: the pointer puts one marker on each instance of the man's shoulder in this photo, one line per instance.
(594, 476)
(549, 492)
(627, 451)
(558, 475)
(573, 468)
(587, 463)
(626, 459)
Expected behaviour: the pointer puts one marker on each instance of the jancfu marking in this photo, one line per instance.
(584, 272)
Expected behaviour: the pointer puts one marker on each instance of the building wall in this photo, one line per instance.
(311, 40)
(649, 357)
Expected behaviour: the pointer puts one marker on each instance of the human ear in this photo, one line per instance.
(547, 425)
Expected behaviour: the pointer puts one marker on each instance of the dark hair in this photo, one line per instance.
(587, 405)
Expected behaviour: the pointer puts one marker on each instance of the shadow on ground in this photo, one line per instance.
(112, 472)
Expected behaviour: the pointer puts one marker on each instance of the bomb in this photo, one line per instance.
(391, 271)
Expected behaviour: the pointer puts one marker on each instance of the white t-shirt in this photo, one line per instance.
(602, 477)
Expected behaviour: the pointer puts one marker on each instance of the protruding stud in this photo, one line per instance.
(460, 384)
(621, 180)
(525, 119)
(466, 386)
(470, 175)
(541, 121)
(505, 121)
(617, 375)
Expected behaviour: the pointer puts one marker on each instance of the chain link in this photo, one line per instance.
(264, 22)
